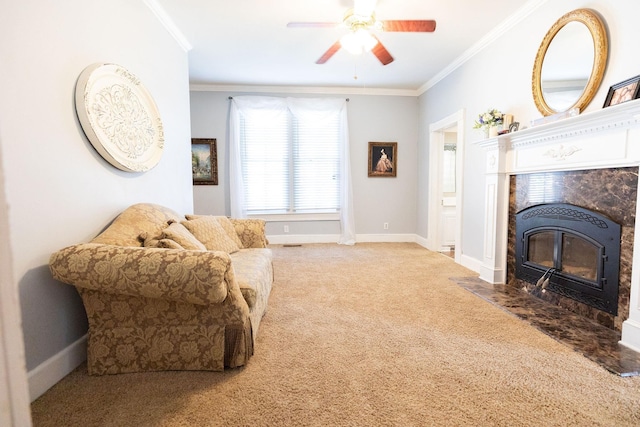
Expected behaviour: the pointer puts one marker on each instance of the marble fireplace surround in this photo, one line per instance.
(607, 138)
(611, 192)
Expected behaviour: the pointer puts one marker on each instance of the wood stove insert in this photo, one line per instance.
(577, 249)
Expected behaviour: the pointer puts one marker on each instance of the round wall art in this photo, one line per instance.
(119, 117)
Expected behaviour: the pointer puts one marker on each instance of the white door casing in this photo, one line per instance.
(14, 392)
(436, 147)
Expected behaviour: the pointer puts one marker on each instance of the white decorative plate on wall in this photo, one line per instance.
(119, 117)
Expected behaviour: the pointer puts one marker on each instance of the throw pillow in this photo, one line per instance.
(179, 234)
(148, 241)
(208, 230)
(226, 224)
(168, 244)
(251, 232)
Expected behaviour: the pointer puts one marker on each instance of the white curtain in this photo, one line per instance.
(245, 106)
(301, 108)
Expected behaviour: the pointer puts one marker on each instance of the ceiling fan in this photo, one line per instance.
(361, 22)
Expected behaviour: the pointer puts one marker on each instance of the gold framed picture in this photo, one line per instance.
(383, 159)
(204, 161)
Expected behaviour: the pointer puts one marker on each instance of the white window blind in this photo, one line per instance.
(290, 165)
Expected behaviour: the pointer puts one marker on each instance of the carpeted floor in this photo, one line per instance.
(366, 335)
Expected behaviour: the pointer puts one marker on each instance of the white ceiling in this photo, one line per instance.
(247, 42)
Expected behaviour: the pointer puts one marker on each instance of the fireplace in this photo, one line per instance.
(569, 250)
(581, 207)
(593, 158)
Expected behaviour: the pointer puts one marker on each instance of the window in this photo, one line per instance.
(290, 156)
(290, 164)
(449, 168)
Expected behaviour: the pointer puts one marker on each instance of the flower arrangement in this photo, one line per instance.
(491, 118)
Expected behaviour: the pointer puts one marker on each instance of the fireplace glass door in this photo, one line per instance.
(566, 252)
(541, 248)
(579, 257)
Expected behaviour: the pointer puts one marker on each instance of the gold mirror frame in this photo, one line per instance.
(596, 27)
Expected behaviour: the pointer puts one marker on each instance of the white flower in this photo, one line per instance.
(491, 117)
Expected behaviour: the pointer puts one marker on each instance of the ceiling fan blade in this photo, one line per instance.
(312, 24)
(329, 53)
(410, 26)
(382, 53)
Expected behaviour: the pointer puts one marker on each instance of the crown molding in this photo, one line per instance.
(478, 47)
(303, 89)
(488, 39)
(168, 24)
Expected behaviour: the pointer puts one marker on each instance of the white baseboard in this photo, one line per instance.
(492, 276)
(631, 334)
(422, 241)
(471, 263)
(386, 238)
(52, 370)
(296, 239)
(284, 239)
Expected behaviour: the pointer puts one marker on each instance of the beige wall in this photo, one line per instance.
(59, 191)
(376, 200)
(500, 77)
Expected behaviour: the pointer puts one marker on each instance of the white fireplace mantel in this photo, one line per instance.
(606, 138)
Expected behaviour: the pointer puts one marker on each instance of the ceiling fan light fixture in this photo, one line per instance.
(364, 7)
(362, 25)
(358, 42)
(354, 20)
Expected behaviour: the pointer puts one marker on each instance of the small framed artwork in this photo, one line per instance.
(204, 161)
(623, 92)
(383, 159)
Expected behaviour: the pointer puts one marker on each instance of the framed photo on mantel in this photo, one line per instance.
(623, 92)
(382, 159)
(204, 161)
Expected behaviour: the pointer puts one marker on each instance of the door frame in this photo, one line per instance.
(14, 388)
(436, 146)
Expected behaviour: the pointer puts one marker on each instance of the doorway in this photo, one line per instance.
(446, 168)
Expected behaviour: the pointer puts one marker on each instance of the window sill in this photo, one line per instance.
(297, 217)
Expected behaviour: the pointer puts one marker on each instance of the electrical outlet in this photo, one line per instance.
(385, 225)
(286, 228)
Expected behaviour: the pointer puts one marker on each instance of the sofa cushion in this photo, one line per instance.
(226, 224)
(254, 274)
(208, 230)
(179, 234)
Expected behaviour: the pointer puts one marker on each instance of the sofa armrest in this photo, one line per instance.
(195, 277)
(251, 232)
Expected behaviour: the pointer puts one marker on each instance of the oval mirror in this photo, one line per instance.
(570, 63)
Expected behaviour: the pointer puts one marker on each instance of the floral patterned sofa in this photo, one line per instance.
(167, 292)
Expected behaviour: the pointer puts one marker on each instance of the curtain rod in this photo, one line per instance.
(231, 97)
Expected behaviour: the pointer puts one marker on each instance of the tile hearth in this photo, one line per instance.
(594, 341)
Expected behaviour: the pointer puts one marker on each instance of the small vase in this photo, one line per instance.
(493, 131)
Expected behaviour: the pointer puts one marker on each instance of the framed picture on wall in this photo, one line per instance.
(623, 92)
(383, 159)
(204, 161)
